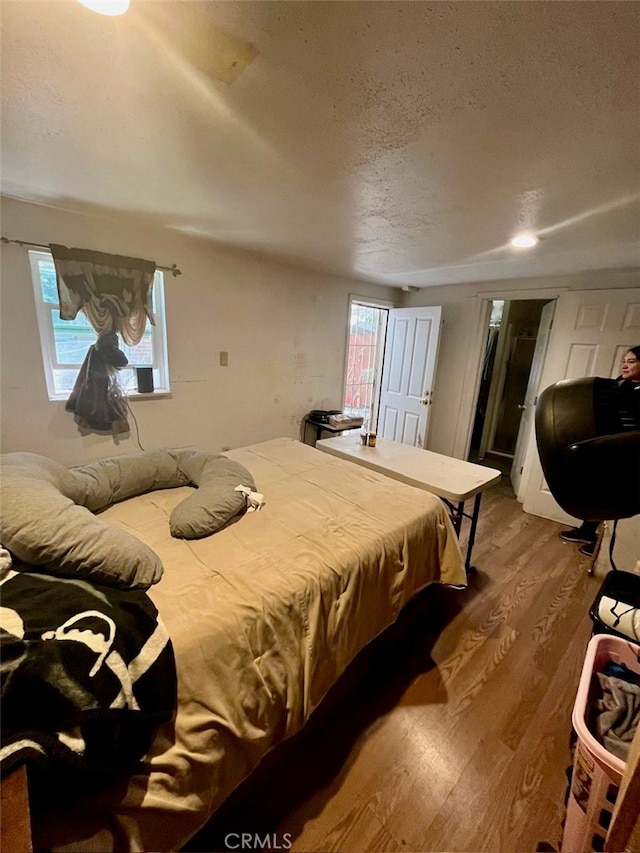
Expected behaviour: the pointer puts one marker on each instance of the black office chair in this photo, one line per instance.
(591, 464)
(592, 467)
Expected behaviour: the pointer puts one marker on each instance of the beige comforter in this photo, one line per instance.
(264, 616)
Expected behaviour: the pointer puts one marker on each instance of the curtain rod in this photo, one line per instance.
(173, 270)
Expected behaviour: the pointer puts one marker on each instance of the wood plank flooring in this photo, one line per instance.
(451, 731)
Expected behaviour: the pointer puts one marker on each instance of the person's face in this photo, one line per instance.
(630, 368)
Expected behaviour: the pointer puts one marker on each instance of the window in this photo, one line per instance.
(65, 342)
(367, 329)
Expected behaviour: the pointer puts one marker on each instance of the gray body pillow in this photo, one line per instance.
(47, 520)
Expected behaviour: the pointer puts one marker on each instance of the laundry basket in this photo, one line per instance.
(596, 771)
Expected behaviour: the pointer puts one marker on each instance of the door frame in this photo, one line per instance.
(372, 302)
(471, 386)
(496, 389)
(527, 421)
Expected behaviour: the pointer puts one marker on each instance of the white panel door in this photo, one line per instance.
(591, 332)
(531, 394)
(410, 357)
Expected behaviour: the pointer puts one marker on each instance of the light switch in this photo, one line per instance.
(224, 359)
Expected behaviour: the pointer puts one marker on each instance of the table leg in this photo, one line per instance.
(457, 514)
(472, 531)
(457, 517)
(317, 427)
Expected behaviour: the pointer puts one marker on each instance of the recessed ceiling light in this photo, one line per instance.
(107, 7)
(524, 240)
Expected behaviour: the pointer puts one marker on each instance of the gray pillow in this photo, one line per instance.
(117, 478)
(43, 525)
(47, 515)
(215, 502)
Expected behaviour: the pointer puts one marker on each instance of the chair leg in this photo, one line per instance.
(596, 549)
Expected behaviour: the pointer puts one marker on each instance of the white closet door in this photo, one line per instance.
(591, 332)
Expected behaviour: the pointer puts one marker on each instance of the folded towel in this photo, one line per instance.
(345, 421)
(255, 500)
(619, 713)
(620, 616)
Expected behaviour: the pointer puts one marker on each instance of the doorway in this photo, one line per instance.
(508, 358)
(390, 366)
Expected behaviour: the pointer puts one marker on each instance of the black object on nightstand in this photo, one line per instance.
(319, 420)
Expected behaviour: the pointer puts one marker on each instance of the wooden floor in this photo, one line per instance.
(451, 731)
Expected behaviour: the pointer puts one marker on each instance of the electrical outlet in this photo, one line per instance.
(224, 359)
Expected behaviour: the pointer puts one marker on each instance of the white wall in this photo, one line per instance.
(284, 328)
(455, 386)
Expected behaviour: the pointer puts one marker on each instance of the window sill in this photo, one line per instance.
(132, 395)
(158, 392)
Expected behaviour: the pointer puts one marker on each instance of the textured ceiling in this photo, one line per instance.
(400, 142)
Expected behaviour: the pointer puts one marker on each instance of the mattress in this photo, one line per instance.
(264, 617)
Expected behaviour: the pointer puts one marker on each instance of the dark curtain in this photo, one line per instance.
(114, 292)
(97, 400)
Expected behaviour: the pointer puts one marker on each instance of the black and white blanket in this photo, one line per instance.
(87, 674)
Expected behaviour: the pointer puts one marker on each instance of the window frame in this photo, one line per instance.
(382, 305)
(45, 316)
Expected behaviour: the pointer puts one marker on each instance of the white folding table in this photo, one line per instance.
(453, 480)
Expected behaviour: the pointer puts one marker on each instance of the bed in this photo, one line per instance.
(264, 616)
